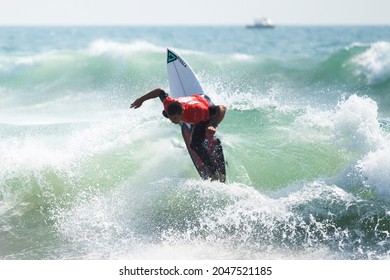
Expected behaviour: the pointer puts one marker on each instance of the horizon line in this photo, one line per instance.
(179, 24)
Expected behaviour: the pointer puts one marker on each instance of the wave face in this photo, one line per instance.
(306, 137)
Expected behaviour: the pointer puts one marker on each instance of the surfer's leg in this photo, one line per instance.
(197, 138)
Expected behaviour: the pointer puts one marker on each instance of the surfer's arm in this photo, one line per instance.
(150, 95)
(218, 116)
(216, 119)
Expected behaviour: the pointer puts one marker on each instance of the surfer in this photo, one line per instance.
(197, 110)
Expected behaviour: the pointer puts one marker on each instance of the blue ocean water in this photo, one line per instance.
(306, 137)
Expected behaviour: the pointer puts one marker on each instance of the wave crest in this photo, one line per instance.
(374, 63)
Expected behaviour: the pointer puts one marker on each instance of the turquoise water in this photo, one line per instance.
(306, 138)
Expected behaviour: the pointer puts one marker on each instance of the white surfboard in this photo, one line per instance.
(183, 82)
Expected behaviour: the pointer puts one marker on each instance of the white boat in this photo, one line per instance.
(262, 23)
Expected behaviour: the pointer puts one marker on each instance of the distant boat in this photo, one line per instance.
(262, 23)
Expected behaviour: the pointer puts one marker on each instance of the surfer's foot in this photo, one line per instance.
(222, 177)
(217, 175)
(214, 176)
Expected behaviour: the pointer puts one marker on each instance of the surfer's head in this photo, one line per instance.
(175, 112)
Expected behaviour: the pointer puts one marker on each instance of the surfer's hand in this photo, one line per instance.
(136, 104)
(210, 131)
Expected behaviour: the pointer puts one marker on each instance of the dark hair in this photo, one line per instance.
(175, 108)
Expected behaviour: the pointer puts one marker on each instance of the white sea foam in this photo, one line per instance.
(353, 124)
(374, 63)
(242, 57)
(356, 124)
(102, 46)
(375, 168)
(59, 146)
(11, 62)
(227, 222)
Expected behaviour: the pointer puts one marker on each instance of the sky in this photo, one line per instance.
(193, 12)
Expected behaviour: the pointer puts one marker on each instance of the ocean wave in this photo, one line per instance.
(108, 64)
(374, 63)
(92, 184)
(102, 64)
(354, 127)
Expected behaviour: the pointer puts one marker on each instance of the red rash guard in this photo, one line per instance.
(195, 108)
